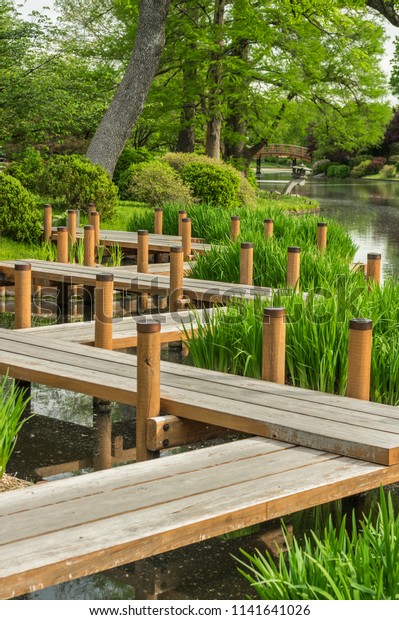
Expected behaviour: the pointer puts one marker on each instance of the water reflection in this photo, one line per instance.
(369, 210)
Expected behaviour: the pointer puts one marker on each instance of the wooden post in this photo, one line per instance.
(293, 267)
(235, 224)
(176, 277)
(71, 225)
(246, 263)
(23, 295)
(95, 222)
(62, 244)
(148, 383)
(91, 207)
(186, 237)
(142, 265)
(104, 309)
(321, 236)
(268, 228)
(359, 358)
(88, 240)
(374, 267)
(158, 215)
(273, 349)
(182, 215)
(102, 416)
(48, 222)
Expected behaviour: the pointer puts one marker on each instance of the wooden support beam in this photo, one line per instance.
(23, 295)
(71, 225)
(142, 265)
(235, 224)
(186, 237)
(246, 263)
(176, 277)
(359, 358)
(293, 267)
(268, 228)
(148, 403)
(62, 245)
(104, 305)
(48, 222)
(158, 216)
(374, 268)
(94, 220)
(321, 236)
(89, 245)
(273, 349)
(182, 215)
(170, 431)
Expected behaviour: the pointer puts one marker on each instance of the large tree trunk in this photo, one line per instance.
(214, 124)
(127, 104)
(236, 126)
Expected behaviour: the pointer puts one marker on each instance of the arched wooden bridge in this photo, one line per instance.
(291, 151)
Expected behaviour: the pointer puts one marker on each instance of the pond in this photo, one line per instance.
(62, 432)
(369, 210)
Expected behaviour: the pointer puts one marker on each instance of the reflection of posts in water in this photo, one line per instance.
(102, 428)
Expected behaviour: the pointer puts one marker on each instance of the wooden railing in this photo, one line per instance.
(284, 150)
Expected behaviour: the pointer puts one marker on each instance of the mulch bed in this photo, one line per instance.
(9, 483)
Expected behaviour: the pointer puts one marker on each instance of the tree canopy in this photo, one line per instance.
(217, 76)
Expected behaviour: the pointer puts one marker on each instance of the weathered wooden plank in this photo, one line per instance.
(139, 473)
(169, 431)
(84, 549)
(111, 375)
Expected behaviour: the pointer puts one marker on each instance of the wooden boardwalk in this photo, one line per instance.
(124, 329)
(131, 280)
(128, 241)
(74, 527)
(346, 426)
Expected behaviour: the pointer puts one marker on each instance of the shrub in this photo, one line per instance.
(247, 188)
(338, 170)
(19, 217)
(12, 406)
(29, 170)
(361, 169)
(216, 185)
(154, 183)
(128, 157)
(393, 159)
(376, 165)
(320, 166)
(74, 181)
(388, 172)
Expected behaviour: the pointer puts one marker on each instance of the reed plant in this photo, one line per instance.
(115, 255)
(230, 340)
(337, 565)
(13, 402)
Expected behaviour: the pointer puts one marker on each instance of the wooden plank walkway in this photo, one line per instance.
(128, 240)
(124, 329)
(131, 280)
(317, 420)
(74, 527)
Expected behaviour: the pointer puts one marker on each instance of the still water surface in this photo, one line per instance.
(370, 212)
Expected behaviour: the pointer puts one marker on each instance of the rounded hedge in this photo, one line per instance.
(128, 157)
(29, 169)
(206, 189)
(20, 219)
(216, 185)
(75, 181)
(154, 183)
